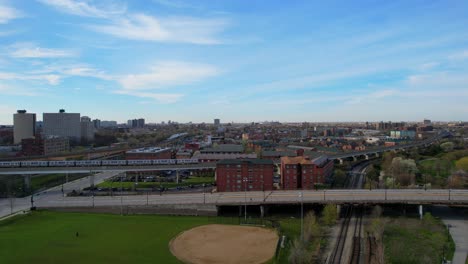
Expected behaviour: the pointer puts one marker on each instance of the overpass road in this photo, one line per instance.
(275, 197)
(70, 170)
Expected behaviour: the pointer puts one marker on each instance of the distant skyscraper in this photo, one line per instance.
(62, 124)
(97, 123)
(24, 126)
(105, 123)
(141, 122)
(217, 122)
(87, 129)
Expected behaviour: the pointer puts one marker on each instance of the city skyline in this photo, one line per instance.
(183, 61)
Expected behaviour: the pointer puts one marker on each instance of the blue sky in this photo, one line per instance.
(235, 60)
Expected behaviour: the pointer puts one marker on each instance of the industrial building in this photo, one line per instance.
(63, 124)
(47, 145)
(87, 129)
(24, 126)
(235, 175)
(148, 153)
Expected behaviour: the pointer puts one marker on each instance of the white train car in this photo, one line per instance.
(9, 164)
(187, 161)
(62, 163)
(139, 162)
(114, 162)
(34, 163)
(83, 163)
(161, 161)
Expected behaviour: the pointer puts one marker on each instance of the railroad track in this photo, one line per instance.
(349, 214)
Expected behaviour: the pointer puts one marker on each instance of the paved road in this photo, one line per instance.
(54, 198)
(8, 206)
(276, 197)
(51, 170)
(457, 220)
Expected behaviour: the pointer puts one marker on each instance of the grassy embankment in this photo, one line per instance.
(186, 182)
(408, 240)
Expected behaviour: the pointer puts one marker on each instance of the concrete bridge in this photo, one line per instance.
(375, 152)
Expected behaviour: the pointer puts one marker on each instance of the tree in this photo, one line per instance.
(462, 164)
(299, 253)
(447, 146)
(404, 171)
(329, 215)
(340, 177)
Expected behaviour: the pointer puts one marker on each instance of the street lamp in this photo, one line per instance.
(301, 195)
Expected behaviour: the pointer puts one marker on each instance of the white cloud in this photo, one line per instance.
(459, 56)
(175, 4)
(160, 97)
(52, 79)
(8, 13)
(149, 28)
(168, 74)
(85, 8)
(15, 90)
(37, 52)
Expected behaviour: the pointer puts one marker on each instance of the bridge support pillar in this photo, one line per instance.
(338, 209)
(27, 182)
(354, 158)
(376, 155)
(66, 177)
(177, 176)
(366, 156)
(420, 211)
(263, 210)
(91, 180)
(341, 161)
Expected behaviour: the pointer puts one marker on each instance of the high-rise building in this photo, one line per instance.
(141, 123)
(87, 129)
(62, 124)
(97, 123)
(136, 123)
(217, 122)
(108, 124)
(24, 126)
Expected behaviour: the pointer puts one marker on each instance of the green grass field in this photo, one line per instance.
(187, 182)
(49, 237)
(409, 240)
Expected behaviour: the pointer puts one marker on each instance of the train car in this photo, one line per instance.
(9, 164)
(34, 163)
(83, 163)
(161, 162)
(61, 163)
(187, 161)
(114, 162)
(139, 162)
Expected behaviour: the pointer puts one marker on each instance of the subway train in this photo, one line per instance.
(87, 163)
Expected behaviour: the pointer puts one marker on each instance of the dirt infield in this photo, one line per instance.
(225, 244)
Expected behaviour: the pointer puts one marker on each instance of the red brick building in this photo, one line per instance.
(302, 173)
(39, 146)
(235, 175)
(148, 154)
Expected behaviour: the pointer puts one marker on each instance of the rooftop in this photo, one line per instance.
(241, 161)
(225, 148)
(148, 150)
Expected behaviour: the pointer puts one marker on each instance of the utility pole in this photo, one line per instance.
(245, 196)
(301, 195)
